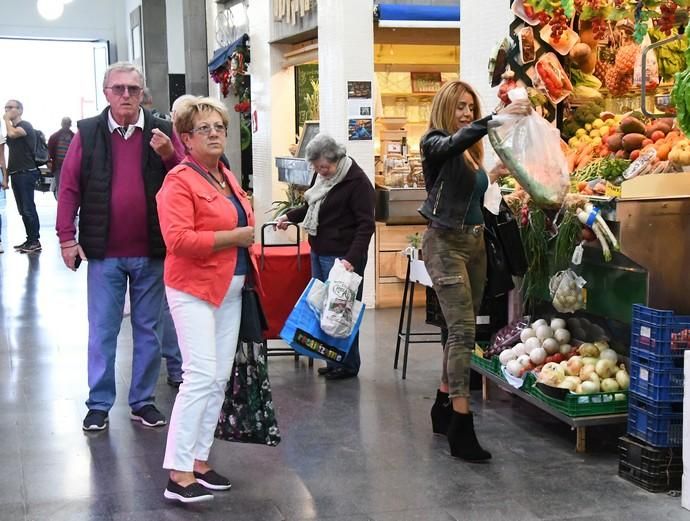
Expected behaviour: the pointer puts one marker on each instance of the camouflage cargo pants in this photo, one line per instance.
(456, 262)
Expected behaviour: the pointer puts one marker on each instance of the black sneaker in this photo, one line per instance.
(95, 420)
(20, 246)
(31, 247)
(213, 480)
(192, 493)
(340, 373)
(149, 416)
(324, 370)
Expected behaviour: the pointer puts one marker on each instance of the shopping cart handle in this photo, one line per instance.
(264, 245)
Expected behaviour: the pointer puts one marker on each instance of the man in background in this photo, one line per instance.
(5, 180)
(21, 141)
(57, 149)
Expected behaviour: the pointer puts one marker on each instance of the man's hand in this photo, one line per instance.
(70, 252)
(162, 144)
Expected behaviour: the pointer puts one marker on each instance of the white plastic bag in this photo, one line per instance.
(317, 297)
(567, 291)
(337, 318)
(530, 147)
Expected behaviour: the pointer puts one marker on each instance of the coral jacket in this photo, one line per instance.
(191, 210)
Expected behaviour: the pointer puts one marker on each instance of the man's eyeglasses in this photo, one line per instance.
(119, 90)
(205, 130)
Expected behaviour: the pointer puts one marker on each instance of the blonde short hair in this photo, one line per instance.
(190, 109)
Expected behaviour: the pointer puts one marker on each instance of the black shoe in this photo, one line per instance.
(462, 439)
(175, 382)
(149, 416)
(340, 373)
(95, 420)
(192, 493)
(20, 246)
(323, 371)
(31, 247)
(441, 413)
(213, 480)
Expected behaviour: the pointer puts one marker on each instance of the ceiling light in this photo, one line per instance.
(50, 9)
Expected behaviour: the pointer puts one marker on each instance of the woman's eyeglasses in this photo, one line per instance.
(205, 130)
(119, 90)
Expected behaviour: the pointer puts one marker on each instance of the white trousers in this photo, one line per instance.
(208, 340)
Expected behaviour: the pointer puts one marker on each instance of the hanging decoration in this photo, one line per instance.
(228, 68)
(665, 15)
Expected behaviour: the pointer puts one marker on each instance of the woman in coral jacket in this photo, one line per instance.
(208, 227)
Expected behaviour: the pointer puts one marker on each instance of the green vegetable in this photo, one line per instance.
(535, 283)
(605, 168)
(566, 240)
(671, 56)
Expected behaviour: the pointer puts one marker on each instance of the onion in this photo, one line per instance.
(564, 365)
(623, 379)
(519, 349)
(570, 382)
(506, 356)
(538, 355)
(524, 360)
(589, 360)
(594, 377)
(544, 332)
(540, 322)
(513, 367)
(609, 354)
(562, 335)
(526, 333)
(551, 374)
(601, 345)
(605, 368)
(550, 346)
(609, 385)
(564, 349)
(588, 349)
(575, 365)
(589, 387)
(531, 344)
(586, 371)
(557, 323)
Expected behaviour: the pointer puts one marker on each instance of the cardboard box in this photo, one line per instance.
(657, 186)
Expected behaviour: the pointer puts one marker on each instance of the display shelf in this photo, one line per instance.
(579, 424)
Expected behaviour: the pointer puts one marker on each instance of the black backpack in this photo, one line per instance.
(40, 148)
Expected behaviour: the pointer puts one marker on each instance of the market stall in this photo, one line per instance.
(601, 195)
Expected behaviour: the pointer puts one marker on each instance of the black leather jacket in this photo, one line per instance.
(449, 180)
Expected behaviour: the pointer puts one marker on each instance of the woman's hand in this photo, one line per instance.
(517, 108)
(498, 171)
(282, 222)
(244, 236)
(347, 265)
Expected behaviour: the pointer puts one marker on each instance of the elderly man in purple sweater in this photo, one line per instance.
(113, 169)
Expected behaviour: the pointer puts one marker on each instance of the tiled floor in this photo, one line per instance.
(352, 450)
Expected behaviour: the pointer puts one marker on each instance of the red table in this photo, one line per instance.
(283, 282)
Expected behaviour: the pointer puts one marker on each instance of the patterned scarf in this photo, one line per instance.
(317, 193)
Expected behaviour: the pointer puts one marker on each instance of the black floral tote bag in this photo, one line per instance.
(248, 415)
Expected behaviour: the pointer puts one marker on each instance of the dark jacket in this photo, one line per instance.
(448, 178)
(346, 218)
(96, 177)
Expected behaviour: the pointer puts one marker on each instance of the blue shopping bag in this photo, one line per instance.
(302, 330)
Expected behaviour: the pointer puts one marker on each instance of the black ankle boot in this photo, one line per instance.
(441, 412)
(462, 439)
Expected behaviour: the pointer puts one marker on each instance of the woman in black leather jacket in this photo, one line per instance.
(453, 246)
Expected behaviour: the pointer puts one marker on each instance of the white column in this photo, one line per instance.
(273, 100)
(482, 26)
(346, 53)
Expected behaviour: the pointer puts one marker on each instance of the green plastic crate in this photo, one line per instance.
(584, 404)
(486, 364)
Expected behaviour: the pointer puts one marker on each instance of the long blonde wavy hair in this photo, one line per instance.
(443, 116)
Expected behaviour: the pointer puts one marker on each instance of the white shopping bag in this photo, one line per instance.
(337, 318)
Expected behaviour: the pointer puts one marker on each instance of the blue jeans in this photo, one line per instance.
(169, 346)
(23, 184)
(320, 267)
(106, 285)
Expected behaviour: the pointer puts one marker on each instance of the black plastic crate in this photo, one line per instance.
(651, 460)
(651, 482)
